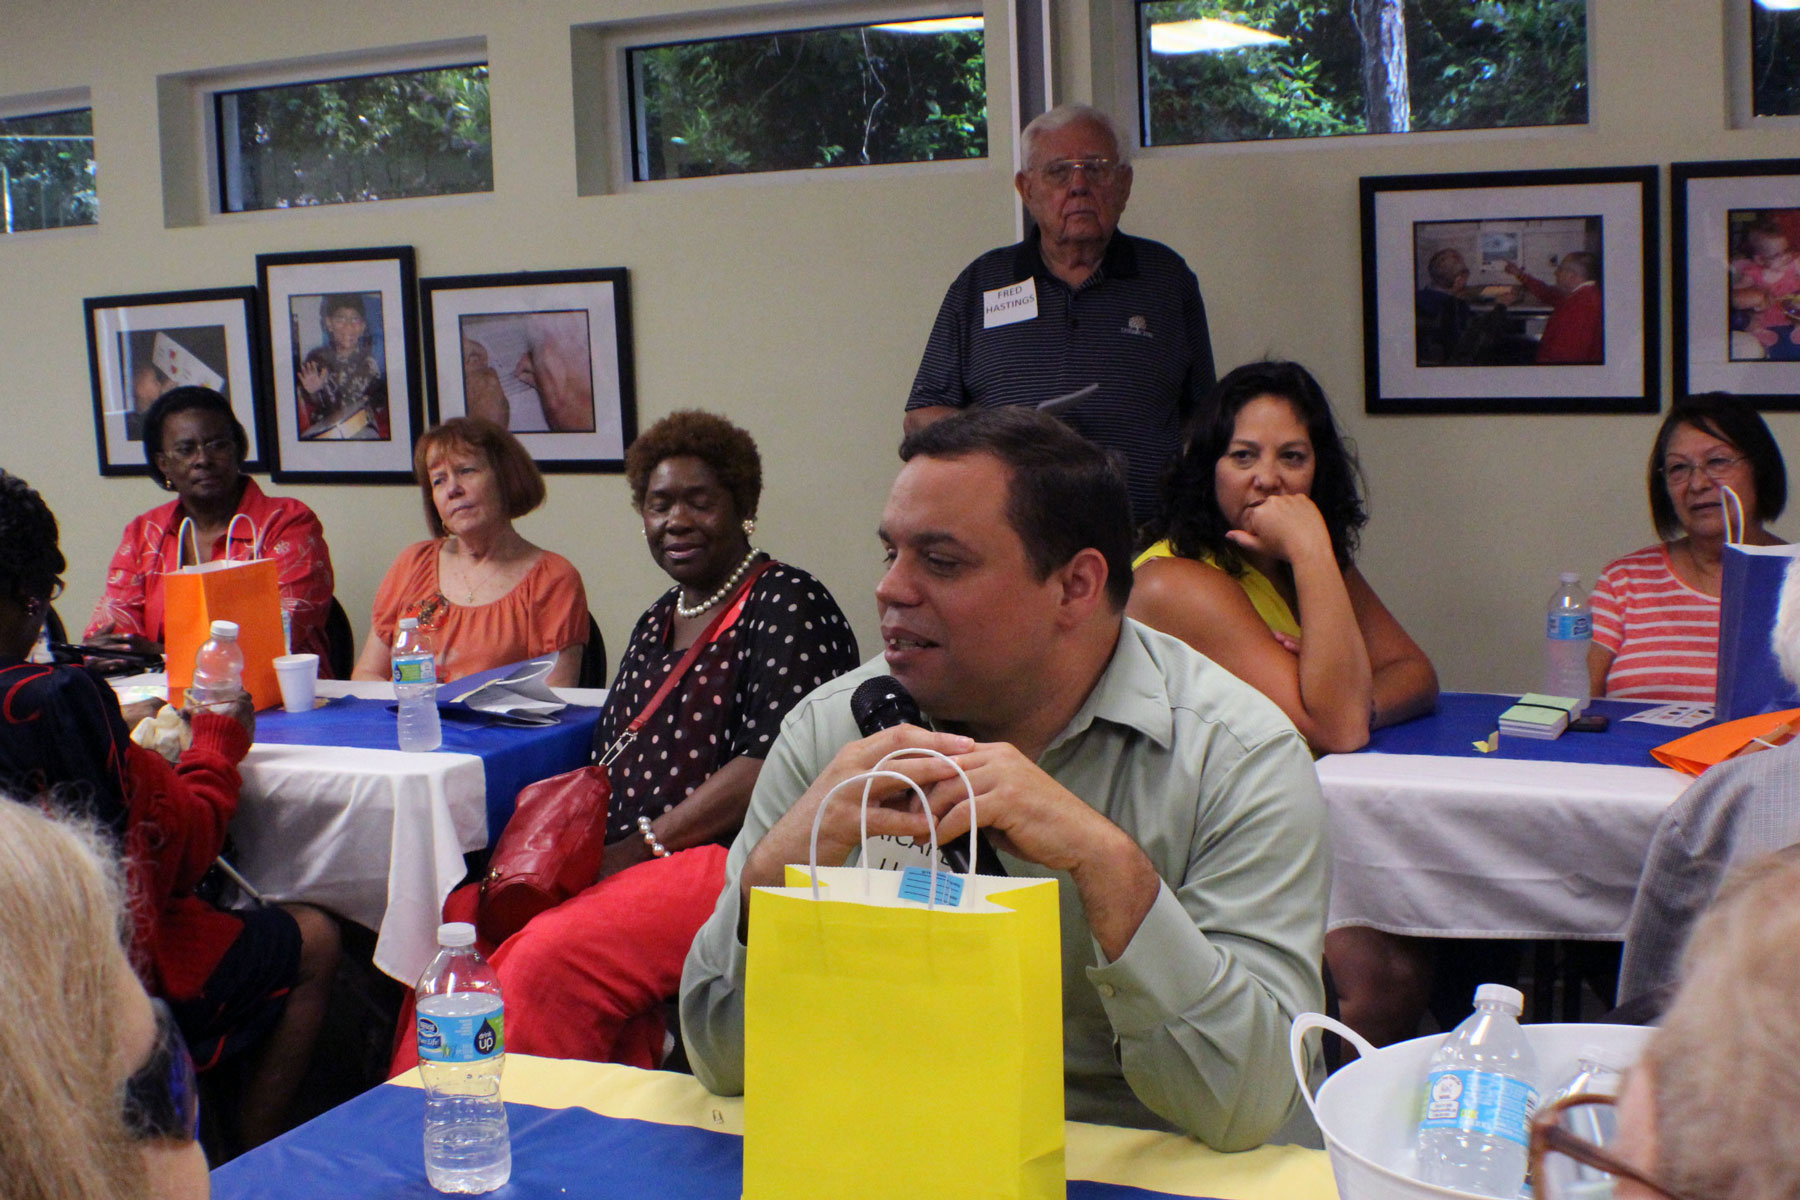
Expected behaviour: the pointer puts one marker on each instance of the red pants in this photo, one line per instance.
(589, 978)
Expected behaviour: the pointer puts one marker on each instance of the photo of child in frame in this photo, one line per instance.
(340, 384)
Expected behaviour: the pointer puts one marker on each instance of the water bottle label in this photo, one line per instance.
(462, 1039)
(415, 669)
(1479, 1102)
(1569, 626)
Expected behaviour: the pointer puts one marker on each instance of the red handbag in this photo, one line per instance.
(552, 847)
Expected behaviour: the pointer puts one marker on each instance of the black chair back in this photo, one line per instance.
(593, 658)
(340, 641)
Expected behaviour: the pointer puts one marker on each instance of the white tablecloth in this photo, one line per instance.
(377, 836)
(1487, 847)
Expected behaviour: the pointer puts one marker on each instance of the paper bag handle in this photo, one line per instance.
(1733, 504)
(868, 779)
(255, 537)
(189, 532)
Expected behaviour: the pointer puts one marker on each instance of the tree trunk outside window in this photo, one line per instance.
(1382, 24)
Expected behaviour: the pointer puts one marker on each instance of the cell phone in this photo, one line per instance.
(1592, 723)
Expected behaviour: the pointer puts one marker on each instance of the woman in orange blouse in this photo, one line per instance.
(489, 596)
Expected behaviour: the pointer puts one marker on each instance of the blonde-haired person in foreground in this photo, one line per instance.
(96, 1093)
(1713, 1110)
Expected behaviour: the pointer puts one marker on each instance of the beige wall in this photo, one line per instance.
(798, 304)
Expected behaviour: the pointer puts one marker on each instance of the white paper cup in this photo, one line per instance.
(299, 675)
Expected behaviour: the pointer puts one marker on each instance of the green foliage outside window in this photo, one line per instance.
(374, 137)
(813, 98)
(1471, 64)
(47, 171)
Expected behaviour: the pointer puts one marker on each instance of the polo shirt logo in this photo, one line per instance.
(1137, 327)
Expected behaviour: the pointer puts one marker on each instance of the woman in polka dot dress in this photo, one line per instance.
(590, 979)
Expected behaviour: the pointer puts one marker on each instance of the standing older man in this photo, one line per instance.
(1174, 804)
(1076, 303)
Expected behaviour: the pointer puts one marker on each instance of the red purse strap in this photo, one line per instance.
(712, 630)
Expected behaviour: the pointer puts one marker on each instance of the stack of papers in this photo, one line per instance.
(1538, 716)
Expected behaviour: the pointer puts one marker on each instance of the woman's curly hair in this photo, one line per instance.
(1188, 512)
(728, 450)
(30, 561)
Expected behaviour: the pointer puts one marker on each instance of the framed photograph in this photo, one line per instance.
(342, 339)
(1737, 279)
(1511, 292)
(547, 354)
(142, 346)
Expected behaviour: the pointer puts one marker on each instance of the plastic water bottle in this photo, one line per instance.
(462, 1050)
(1568, 632)
(415, 687)
(1480, 1093)
(218, 669)
(1594, 1075)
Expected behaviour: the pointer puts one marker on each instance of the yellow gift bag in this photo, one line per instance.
(247, 592)
(903, 1047)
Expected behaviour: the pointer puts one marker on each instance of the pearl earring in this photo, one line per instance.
(749, 526)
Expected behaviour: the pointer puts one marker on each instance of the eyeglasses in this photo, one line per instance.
(1677, 471)
(1567, 1159)
(1100, 172)
(432, 610)
(161, 1101)
(211, 447)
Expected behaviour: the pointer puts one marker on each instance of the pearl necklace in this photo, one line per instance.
(686, 613)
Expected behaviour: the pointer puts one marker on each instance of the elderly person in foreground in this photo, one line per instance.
(1175, 805)
(1712, 1110)
(1077, 303)
(99, 1087)
(196, 447)
(1656, 611)
(590, 978)
(489, 596)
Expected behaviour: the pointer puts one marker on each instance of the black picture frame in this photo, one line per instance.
(1487, 361)
(143, 344)
(1715, 208)
(484, 333)
(360, 424)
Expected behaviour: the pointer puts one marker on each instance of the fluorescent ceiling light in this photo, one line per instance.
(1205, 34)
(934, 25)
(1779, 5)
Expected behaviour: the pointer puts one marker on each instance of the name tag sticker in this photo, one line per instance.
(1009, 305)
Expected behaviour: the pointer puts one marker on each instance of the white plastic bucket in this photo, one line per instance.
(1369, 1110)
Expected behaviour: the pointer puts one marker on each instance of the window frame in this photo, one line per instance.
(50, 104)
(1130, 99)
(604, 85)
(199, 92)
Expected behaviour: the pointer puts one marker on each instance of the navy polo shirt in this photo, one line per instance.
(1136, 327)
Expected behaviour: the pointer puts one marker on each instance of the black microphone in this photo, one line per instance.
(882, 703)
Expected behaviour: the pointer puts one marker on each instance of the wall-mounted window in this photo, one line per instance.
(1774, 57)
(363, 137)
(47, 171)
(1243, 70)
(890, 92)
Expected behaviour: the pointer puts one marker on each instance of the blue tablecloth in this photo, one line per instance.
(512, 756)
(372, 1147)
(1463, 718)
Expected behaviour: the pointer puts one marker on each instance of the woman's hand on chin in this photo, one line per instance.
(1288, 528)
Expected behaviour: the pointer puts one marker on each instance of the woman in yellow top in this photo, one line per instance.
(1258, 525)
(1251, 566)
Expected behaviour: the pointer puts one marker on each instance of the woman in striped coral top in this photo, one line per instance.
(1656, 611)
